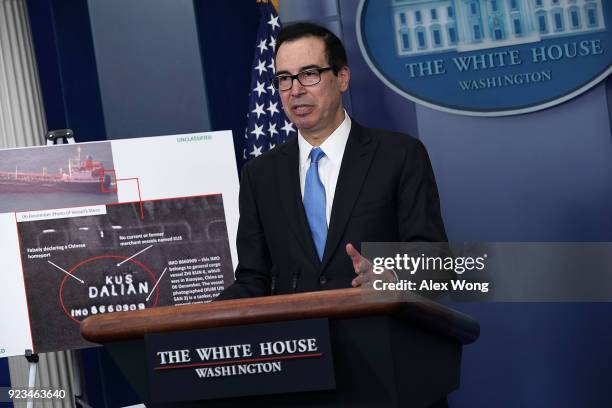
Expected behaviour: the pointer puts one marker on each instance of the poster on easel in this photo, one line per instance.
(113, 226)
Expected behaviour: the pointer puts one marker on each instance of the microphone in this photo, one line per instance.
(294, 281)
(274, 273)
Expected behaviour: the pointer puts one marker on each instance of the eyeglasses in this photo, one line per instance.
(308, 77)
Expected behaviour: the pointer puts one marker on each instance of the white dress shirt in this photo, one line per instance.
(329, 165)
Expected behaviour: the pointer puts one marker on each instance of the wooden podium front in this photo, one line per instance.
(387, 351)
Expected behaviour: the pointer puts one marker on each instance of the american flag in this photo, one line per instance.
(267, 125)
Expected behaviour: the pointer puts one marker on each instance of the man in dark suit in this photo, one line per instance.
(307, 205)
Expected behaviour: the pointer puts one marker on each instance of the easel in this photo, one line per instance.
(52, 138)
(55, 135)
(33, 360)
(32, 366)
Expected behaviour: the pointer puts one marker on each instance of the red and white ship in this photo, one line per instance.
(84, 176)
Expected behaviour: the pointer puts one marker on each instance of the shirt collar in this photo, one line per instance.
(333, 146)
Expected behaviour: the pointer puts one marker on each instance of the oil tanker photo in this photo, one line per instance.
(58, 176)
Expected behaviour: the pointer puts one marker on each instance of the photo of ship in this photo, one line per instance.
(58, 176)
(187, 235)
(82, 176)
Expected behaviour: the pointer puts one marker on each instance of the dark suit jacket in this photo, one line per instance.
(386, 192)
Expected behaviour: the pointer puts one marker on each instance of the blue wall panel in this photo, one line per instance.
(67, 67)
(545, 176)
(5, 379)
(149, 67)
(227, 32)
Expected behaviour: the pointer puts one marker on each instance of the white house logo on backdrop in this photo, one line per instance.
(487, 57)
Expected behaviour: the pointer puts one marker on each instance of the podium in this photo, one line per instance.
(388, 351)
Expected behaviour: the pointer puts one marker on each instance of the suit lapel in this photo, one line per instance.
(356, 161)
(291, 198)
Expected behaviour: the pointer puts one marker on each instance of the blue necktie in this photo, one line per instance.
(314, 202)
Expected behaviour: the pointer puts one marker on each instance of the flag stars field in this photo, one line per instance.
(267, 125)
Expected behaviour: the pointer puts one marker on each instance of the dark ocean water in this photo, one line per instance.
(53, 158)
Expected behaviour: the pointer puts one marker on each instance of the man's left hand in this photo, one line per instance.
(365, 271)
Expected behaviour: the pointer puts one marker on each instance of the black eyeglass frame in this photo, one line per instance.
(276, 84)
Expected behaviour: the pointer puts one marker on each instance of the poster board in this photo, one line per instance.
(110, 226)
